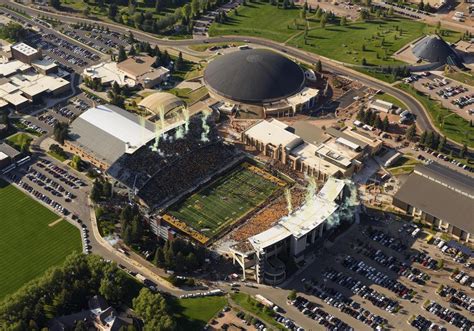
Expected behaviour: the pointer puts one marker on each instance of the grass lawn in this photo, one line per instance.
(19, 140)
(374, 40)
(28, 245)
(446, 120)
(57, 156)
(223, 202)
(189, 96)
(194, 313)
(251, 305)
(462, 77)
(391, 99)
(259, 19)
(403, 165)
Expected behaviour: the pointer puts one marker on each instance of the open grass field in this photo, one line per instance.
(223, 202)
(28, 245)
(466, 78)
(375, 41)
(382, 38)
(259, 19)
(404, 165)
(446, 120)
(194, 313)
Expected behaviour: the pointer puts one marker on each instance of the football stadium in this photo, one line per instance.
(214, 208)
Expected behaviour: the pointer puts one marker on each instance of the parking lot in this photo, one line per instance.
(57, 187)
(102, 40)
(453, 95)
(384, 274)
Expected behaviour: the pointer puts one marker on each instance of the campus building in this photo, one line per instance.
(26, 78)
(261, 81)
(162, 104)
(136, 71)
(441, 197)
(321, 158)
(294, 235)
(102, 134)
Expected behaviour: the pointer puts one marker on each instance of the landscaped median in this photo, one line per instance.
(446, 121)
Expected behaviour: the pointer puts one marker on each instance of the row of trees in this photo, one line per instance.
(434, 141)
(61, 291)
(131, 225)
(372, 118)
(13, 31)
(179, 255)
(101, 189)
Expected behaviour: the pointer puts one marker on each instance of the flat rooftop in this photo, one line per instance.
(25, 49)
(273, 132)
(442, 193)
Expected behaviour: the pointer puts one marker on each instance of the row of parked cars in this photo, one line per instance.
(392, 263)
(425, 260)
(386, 240)
(453, 252)
(48, 119)
(457, 297)
(356, 287)
(40, 196)
(423, 324)
(312, 310)
(65, 112)
(346, 305)
(451, 91)
(443, 157)
(30, 126)
(48, 184)
(378, 277)
(288, 323)
(448, 315)
(61, 174)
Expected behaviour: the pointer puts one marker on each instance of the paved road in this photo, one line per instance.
(423, 120)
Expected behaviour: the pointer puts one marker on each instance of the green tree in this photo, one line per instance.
(292, 296)
(423, 138)
(442, 143)
(195, 8)
(61, 132)
(343, 21)
(151, 307)
(122, 56)
(318, 66)
(132, 51)
(410, 133)
(385, 124)
(55, 4)
(113, 11)
(463, 152)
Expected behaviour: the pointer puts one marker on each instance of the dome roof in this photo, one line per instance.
(254, 76)
(433, 49)
(156, 101)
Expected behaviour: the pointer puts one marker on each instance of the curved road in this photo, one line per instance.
(422, 119)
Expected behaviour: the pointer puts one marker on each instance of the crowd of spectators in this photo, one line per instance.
(186, 172)
(134, 170)
(180, 160)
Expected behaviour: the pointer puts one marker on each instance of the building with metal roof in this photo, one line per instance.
(162, 103)
(262, 78)
(104, 133)
(441, 197)
(434, 49)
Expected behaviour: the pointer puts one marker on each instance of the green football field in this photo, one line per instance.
(28, 245)
(224, 201)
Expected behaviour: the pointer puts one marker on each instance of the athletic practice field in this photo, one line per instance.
(226, 200)
(28, 246)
